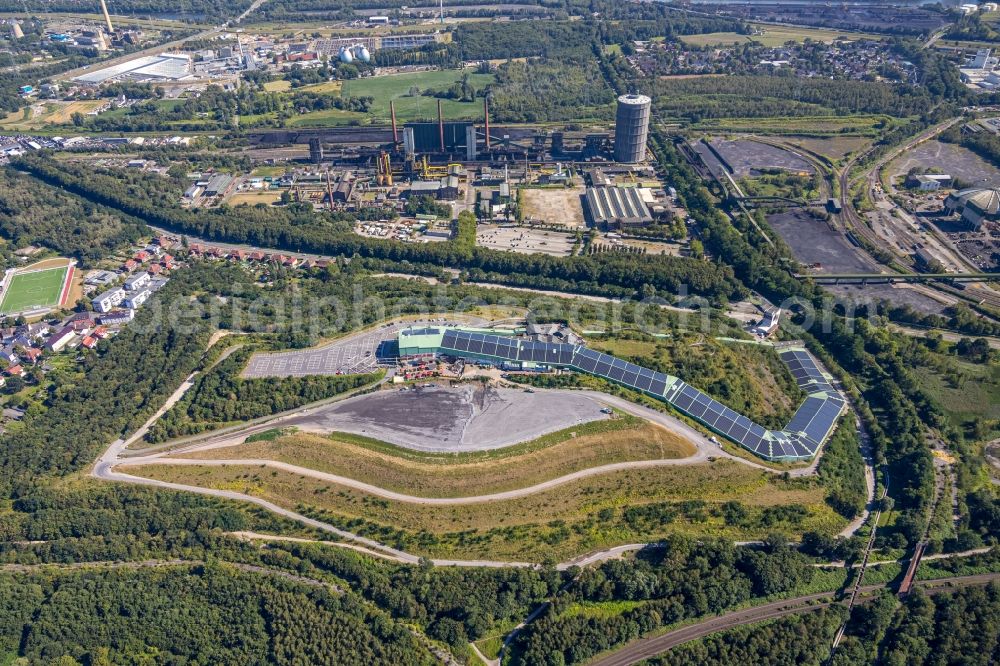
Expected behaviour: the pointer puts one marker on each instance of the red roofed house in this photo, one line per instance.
(156, 269)
(195, 248)
(141, 256)
(89, 342)
(131, 265)
(15, 371)
(258, 256)
(30, 354)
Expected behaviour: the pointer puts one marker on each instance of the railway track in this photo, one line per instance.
(853, 223)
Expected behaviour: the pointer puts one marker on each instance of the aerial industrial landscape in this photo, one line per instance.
(526, 334)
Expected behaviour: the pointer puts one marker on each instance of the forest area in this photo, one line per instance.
(32, 213)
(205, 614)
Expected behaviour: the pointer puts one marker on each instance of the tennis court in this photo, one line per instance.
(36, 289)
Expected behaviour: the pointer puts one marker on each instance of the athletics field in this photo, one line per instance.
(36, 289)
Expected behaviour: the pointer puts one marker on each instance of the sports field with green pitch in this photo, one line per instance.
(35, 289)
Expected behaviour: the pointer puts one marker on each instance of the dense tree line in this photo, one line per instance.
(202, 10)
(842, 471)
(678, 579)
(777, 96)
(958, 628)
(221, 396)
(33, 213)
(792, 641)
(984, 144)
(302, 229)
(213, 614)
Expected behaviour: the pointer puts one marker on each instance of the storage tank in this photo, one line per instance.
(345, 55)
(363, 54)
(631, 128)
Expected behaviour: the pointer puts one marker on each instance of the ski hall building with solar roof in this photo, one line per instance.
(811, 425)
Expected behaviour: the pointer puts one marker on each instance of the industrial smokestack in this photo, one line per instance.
(486, 114)
(107, 17)
(441, 125)
(392, 111)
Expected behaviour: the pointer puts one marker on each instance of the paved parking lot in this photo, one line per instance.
(524, 240)
(354, 354)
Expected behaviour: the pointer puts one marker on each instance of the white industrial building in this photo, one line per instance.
(163, 67)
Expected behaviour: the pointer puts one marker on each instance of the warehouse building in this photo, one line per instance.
(975, 205)
(616, 207)
(163, 67)
(219, 185)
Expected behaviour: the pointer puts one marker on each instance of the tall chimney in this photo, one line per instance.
(392, 111)
(107, 17)
(486, 114)
(441, 125)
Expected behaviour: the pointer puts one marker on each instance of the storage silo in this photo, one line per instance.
(631, 128)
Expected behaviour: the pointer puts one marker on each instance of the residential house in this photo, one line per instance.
(130, 265)
(109, 300)
(137, 282)
(118, 318)
(89, 342)
(35, 331)
(31, 354)
(137, 298)
(16, 371)
(8, 354)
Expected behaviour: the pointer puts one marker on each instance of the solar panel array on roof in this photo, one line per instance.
(421, 331)
(811, 424)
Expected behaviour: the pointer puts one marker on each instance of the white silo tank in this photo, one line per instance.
(363, 54)
(345, 55)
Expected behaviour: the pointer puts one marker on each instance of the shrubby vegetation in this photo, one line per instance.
(899, 409)
(221, 396)
(842, 470)
(777, 96)
(752, 380)
(546, 90)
